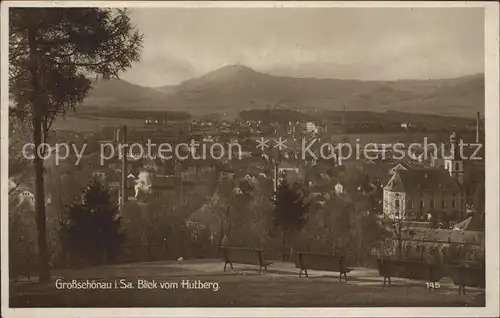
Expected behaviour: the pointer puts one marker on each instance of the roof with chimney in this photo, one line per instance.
(472, 223)
(416, 181)
(156, 180)
(411, 164)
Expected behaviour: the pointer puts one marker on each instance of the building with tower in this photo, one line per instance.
(418, 192)
(454, 162)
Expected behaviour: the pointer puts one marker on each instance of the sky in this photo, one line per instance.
(345, 43)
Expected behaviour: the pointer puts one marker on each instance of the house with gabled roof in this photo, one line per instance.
(150, 184)
(416, 191)
(414, 194)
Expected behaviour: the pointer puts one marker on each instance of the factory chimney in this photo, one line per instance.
(343, 116)
(124, 159)
(478, 123)
(166, 122)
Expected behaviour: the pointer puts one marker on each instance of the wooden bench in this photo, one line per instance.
(241, 255)
(472, 274)
(322, 262)
(411, 269)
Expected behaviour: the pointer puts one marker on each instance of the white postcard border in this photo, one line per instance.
(492, 176)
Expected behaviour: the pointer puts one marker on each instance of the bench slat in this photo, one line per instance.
(410, 269)
(323, 262)
(469, 276)
(242, 255)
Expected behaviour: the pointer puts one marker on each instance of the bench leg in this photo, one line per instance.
(260, 268)
(345, 276)
(225, 265)
(306, 273)
(385, 278)
(300, 274)
(231, 266)
(340, 276)
(389, 278)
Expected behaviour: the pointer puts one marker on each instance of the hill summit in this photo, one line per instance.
(228, 73)
(236, 87)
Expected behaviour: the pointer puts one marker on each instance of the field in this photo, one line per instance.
(392, 137)
(84, 122)
(242, 287)
(93, 123)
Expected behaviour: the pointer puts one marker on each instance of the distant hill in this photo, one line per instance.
(122, 94)
(235, 88)
(166, 89)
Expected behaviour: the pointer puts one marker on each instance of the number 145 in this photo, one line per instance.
(433, 284)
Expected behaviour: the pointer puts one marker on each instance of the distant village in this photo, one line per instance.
(411, 189)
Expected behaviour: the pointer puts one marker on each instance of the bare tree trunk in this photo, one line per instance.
(149, 243)
(360, 250)
(283, 245)
(226, 225)
(401, 242)
(178, 245)
(221, 233)
(44, 270)
(400, 248)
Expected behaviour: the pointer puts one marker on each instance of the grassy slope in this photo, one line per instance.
(280, 287)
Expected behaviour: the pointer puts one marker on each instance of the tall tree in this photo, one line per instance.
(401, 230)
(289, 211)
(22, 240)
(91, 229)
(332, 222)
(52, 54)
(20, 169)
(155, 228)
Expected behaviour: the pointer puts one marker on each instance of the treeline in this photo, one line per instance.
(275, 115)
(90, 230)
(364, 121)
(135, 114)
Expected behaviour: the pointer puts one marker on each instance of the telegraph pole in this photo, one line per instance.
(123, 148)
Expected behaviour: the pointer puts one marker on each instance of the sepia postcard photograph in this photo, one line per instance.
(249, 159)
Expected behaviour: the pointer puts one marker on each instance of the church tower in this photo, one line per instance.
(454, 163)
